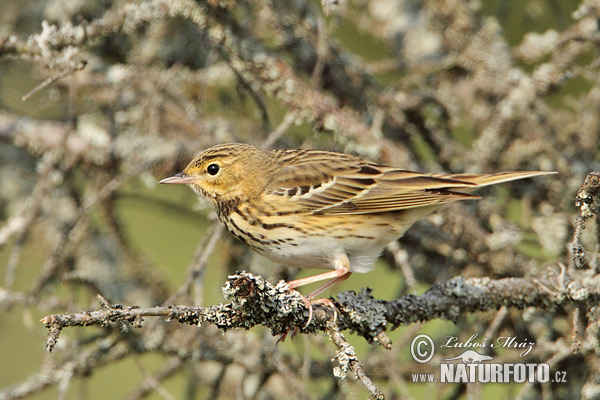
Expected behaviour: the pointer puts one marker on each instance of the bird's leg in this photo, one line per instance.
(329, 284)
(340, 273)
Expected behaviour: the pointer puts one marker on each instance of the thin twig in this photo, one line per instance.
(196, 269)
(70, 69)
(154, 383)
(283, 126)
(346, 357)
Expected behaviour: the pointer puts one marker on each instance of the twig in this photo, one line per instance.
(588, 201)
(154, 383)
(67, 71)
(496, 323)
(257, 97)
(563, 351)
(346, 357)
(321, 48)
(20, 222)
(216, 385)
(401, 260)
(287, 121)
(203, 251)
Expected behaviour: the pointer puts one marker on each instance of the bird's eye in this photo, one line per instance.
(212, 169)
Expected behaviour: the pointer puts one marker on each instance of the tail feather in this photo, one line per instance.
(490, 179)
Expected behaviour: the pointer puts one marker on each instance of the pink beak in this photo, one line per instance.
(179, 178)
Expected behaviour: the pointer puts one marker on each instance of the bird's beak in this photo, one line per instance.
(179, 178)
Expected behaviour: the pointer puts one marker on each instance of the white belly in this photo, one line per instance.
(317, 241)
(320, 253)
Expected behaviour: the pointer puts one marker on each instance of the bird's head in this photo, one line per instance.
(226, 172)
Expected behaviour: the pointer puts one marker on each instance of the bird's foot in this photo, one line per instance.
(328, 303)
(308, 303)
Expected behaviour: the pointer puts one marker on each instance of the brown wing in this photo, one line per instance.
(378, 194)
(334, 183)
(397, 190)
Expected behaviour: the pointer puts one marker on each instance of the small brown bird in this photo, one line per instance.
(320, 209)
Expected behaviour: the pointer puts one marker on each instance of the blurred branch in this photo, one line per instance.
(110, 350)
(588, 201)
(259, 69)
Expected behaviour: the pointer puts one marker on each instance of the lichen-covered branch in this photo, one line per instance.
(347, 360)
(255, 301)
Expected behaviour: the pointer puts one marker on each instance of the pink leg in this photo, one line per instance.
(329, 284)
(341, 272)
(336, 276)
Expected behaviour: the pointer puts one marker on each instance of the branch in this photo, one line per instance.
(255, 301)
(346, 357)
(588, 201)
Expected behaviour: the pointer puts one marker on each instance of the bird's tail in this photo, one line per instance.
(491, 179)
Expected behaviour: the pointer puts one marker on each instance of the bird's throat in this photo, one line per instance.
(226, 207)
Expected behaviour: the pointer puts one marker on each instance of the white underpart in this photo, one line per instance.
(322, 253)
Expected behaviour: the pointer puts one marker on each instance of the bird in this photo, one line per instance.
(320, 209)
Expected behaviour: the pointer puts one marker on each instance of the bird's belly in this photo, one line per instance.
(316, 241)
(320, 253)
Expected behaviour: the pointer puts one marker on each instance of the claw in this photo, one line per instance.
(294, 333)
(308, 305)
(328, 303)
(282, 337)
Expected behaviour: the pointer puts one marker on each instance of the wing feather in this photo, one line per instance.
(397, 202)
(335, 183)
